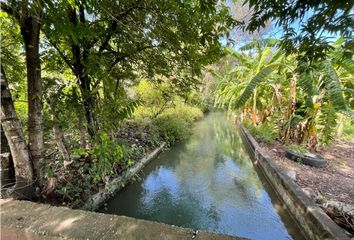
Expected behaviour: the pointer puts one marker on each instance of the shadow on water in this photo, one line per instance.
(207, 182)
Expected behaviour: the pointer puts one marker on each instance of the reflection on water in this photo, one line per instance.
(207, 182)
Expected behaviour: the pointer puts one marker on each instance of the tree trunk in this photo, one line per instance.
(7, 165)
(80, 57)
(89, 106)
(4, 144)
(30, 28)
(18, 147)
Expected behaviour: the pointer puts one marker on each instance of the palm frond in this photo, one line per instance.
(305, 79)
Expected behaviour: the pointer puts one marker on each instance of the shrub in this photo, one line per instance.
(175, 123)
(106, 155)
(264, 132)
(172, 129)
(348, 130)
(185, 112)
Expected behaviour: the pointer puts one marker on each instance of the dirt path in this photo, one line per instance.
(334, 182)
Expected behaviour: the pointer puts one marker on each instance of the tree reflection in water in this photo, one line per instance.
(207, 182)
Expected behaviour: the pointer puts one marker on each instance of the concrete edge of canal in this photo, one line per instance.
(96, 201)
(309, 217)
(28, 220)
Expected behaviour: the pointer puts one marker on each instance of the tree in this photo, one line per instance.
(107, 43)
(28, 14)
(17, 144)
(239, 84)
(317, 19)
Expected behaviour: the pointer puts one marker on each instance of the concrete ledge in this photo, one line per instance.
(118, 183)
(311, 219)
(39, 221)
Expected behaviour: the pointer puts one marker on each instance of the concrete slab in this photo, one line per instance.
(28, 220)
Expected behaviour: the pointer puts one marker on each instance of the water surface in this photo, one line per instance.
(207, 182)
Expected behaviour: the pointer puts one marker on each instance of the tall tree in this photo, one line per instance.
(17, 144)
(28, 15)
(107, 43)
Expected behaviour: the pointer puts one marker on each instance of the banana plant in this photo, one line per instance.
(325, 90)
(241, 82)
(305, 98)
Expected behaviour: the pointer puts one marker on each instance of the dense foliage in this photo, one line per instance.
(308, 26)
(81, 71)
(89, 87)
(302, 101)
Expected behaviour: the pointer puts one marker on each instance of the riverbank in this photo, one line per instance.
(332, 182)
(331, 187)
(314, 222)
(113, 157)
(94, 202)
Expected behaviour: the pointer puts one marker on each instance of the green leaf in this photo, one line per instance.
(261, 76)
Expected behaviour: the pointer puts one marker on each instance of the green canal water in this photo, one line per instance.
(207, 182)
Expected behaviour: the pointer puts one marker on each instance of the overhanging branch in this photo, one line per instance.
(66, 60)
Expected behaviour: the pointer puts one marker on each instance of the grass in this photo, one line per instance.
(348, 130)
(299, 149)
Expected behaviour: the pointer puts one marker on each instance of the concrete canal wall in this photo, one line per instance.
(120, 182)
(310, 217)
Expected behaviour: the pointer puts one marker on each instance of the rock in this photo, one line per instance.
(274, 150)
(346, 208)
(291, 174)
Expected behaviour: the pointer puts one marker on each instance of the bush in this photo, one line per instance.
(182, 111)
(175, 123)
(264, 132)
(172, 129)
(107, 154)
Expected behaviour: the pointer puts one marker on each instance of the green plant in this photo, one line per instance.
(174, 124)
(106, 154)
(264, 132)
(348, 130)
(299, 149)
(183, 111)
(172, 129)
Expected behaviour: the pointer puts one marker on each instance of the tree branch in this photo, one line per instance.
(124, 56)
(114, 25)
(66, 60)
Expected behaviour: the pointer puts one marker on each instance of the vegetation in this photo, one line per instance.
(317, 22)
(89, 87)
(302, 101)
(76, 72)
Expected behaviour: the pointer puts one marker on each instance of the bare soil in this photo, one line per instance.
(333, 182)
